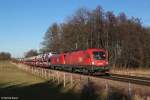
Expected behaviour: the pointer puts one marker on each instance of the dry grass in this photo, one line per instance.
(10, 75)
(137, 97)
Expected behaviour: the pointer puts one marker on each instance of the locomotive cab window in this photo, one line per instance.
(99, 55)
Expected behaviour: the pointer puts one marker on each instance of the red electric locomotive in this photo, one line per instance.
(90, 60)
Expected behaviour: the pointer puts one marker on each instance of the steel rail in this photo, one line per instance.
(115, 77)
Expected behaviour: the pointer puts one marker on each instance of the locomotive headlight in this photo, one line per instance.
(106, 62)
(93, 63)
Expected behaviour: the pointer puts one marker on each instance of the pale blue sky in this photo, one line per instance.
(24, 22)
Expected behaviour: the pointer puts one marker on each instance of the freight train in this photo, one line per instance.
(86, 61)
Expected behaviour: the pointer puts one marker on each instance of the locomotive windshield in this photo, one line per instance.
(99, 55)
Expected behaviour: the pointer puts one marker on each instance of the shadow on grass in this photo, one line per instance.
(50, 91)
(117, 94)
(40, 91)
(88, 91)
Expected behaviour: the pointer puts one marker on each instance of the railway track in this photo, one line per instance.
(130, 79)
(118, 77)
(122, 78)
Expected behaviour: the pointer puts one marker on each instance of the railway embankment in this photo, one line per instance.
(26, 82)
(105, 87)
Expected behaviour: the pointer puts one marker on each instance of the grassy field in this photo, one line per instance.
(17, 84)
